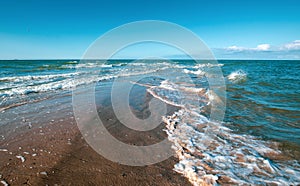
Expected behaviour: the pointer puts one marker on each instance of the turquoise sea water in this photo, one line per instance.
(262, 103)
(267, 103)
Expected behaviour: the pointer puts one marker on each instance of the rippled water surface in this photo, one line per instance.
(258, 141)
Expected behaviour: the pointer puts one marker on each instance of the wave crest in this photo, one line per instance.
(237, 76)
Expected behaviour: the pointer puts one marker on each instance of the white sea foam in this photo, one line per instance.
(198, 72)
(187, 88)
(93, 65)
(210, 153)
(209, 65)
(37, 77)
(208, 156)
(72, 62)
(86, 65)
(68, 83)
(23, 85)
(179, 95)
(237, 76)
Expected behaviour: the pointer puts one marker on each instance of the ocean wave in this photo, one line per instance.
(92, 65)
(23, 85)
(68, 83)
(237, 76)
(37, 77)
(129, 64)
(86, 65)
(198, 72)
(72, 62)
(180, 94)
(209, 65)
(210, 153)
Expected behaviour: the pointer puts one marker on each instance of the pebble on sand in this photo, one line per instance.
(21, 157)
(43, 173)
(4, 183)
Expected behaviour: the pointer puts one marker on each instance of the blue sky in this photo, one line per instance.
(257, 29)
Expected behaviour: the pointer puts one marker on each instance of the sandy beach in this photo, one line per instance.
(47, 148)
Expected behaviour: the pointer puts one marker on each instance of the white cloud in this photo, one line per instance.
(235, 48)
(295, 45)
(262, 51)
(261, 47)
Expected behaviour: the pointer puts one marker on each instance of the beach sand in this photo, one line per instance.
(42, 145)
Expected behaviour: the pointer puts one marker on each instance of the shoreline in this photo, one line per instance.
(237, 145)
(52, 150)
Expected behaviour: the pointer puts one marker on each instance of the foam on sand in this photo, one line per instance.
(210, 153)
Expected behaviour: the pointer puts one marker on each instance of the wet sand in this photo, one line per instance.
(52, 151)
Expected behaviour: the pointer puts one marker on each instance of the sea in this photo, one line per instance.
(246, 133)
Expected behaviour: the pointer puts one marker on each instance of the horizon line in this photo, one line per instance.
(49, 59)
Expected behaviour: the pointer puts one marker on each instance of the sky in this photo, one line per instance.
(236, 29)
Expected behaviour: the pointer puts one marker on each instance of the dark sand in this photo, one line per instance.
(56, 154)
